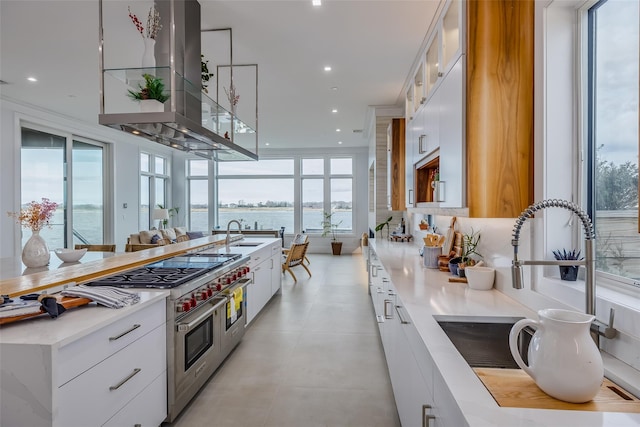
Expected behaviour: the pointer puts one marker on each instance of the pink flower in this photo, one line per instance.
(36, 215)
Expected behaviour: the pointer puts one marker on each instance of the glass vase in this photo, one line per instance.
(35, 252)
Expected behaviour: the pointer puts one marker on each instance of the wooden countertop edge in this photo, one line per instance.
(83, 273)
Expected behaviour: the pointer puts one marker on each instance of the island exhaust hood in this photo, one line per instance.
(189, 120)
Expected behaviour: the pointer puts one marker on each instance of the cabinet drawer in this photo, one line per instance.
(82, 354)
(96, 395)
(259, 256)
(147, 409)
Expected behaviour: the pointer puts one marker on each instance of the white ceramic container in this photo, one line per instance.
(563, 358)
(70, 255)
(480, 278)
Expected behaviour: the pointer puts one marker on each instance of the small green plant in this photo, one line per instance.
(470, 245)
(330, 227)
(564, 255)
(380, 226)
(153, 89)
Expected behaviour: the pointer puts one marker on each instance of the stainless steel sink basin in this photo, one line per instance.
(483, 341)
(247, 244)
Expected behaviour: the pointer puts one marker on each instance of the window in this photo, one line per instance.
(45, 166)
(261, 194)
(286, 192)
(613, 136)
(154, 184)
(198, 194)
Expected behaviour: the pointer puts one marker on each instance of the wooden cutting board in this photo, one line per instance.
(448, 241)
(515, 389)
(457, 243)
(67, 302)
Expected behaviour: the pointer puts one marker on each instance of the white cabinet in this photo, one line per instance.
(276, 268)
(451, 135)
(421, 394)
(93, 366)
(265, 267)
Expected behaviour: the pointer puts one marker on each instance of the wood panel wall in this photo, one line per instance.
(500, 55)
(397, 166)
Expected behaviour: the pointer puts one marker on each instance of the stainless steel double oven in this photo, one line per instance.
(206, 315)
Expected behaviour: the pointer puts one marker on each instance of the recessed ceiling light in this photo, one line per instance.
(337, 130)
(135, 132)
(335, 110)
(334, 88)
(32, 79)
(340, 142)
(316, 2)
(327, 68)
(266, 143)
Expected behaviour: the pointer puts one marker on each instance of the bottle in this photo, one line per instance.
(403, 226)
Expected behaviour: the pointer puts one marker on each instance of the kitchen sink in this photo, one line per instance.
(483, 341)
(247, 244)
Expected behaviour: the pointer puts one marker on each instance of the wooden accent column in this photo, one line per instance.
(396, 166)
(499, 133)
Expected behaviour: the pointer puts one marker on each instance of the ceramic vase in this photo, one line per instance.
(149, 57)
(35, 252)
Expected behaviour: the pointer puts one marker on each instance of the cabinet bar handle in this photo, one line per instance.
(425, 416)
(121, 383)
(402, 319)
(388, 314)
(117, 337)
(410, 197)
(420, 140)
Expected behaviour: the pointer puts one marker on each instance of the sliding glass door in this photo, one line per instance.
(77, 185)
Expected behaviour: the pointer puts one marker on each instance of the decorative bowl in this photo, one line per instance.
(70, 255)
(480, 278)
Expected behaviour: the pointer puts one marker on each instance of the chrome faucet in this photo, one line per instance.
(227, 239)
(589, 261)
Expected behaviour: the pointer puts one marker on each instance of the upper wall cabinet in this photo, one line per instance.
(451, 30)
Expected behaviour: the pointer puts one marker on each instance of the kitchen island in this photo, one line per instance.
(99, 366)
(442, 380)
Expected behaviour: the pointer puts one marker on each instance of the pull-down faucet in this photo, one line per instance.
(227, 239)
(589, 261)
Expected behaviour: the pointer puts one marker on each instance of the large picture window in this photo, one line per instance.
(613, 136)
(287, 192)
(154, 184)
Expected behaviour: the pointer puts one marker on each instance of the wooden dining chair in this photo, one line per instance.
(298, 238)
(97, 248)
(295, 257)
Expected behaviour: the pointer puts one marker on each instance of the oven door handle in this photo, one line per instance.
(185, 327)
(241, 284)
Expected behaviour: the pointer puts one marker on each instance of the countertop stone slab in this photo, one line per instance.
(427, 292)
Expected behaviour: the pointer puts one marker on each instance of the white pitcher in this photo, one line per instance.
(564, 361)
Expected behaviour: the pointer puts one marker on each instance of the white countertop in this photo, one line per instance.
(427, 292)
(72, 324)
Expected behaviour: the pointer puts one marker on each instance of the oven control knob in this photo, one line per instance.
(205, 294)
(209, 292)
(219, 287)
(228, 281)
(248, 269)
(186, 306)
(193, 302)
(241, 272)
(234, 277)
(200, 297)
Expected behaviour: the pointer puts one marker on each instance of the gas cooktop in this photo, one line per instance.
(168, 273)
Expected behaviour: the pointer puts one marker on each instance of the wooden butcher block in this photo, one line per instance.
(67, 302)
(515, 389)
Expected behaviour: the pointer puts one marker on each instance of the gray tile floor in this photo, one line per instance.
(311, 358)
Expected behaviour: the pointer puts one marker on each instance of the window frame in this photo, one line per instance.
(153, 176)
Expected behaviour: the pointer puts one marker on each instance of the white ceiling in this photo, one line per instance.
(370, 45)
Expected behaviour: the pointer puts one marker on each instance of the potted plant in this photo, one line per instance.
(469, 247)
(330, 227)
(568, 272)
(380, 226)
(151, 96)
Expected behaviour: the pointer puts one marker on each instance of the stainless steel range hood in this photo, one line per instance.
(189, 121)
